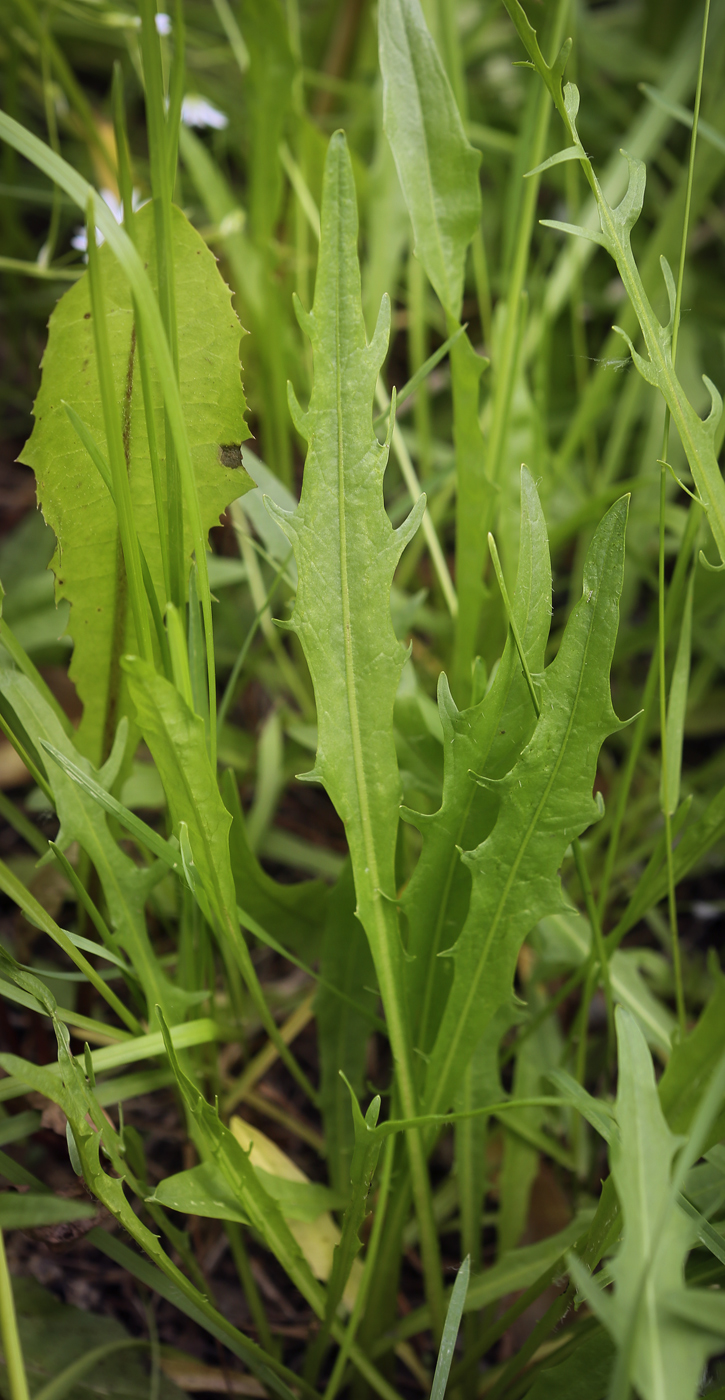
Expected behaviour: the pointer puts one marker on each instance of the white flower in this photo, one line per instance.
(80, 237)
(196, 111)
(163, 25)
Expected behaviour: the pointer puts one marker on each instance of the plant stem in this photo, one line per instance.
(12, 1349)
(661, 629)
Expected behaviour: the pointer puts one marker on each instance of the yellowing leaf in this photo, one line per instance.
(87, 563)
(317, 1238)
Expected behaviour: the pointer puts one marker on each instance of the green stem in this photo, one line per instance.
(371, 1256)
(12, 1349)
(661, 629)
(116, 455)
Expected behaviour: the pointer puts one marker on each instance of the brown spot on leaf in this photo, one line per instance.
(230, 454)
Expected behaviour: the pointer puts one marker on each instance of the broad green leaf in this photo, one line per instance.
(585, 1372)
(258, 299)
(437, 897)
(201, 1190)
(545, 801)
(32, 1209)
(126, 886)
(71, 1352)
(73, 497)
(387, 225)
(204, 1190)
(342, 1034)
(437, 167)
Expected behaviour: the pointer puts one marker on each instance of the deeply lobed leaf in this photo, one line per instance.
(545, 801)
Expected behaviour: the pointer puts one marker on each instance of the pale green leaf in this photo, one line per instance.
(73, 497)
(662, 1357)
(437, 166)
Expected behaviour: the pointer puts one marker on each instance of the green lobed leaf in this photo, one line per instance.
(72, 495)
(245, 1185)
(437, 897)
(697, 436)
(69, 1088)
(545, 801)
(437, 167)
(346, 551)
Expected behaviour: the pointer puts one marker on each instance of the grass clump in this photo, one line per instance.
(406, 1049)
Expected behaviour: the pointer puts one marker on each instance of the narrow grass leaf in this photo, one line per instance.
(450, 1331)
(676, 707)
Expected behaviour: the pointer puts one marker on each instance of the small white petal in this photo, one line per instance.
(163, 24)
(197, 111)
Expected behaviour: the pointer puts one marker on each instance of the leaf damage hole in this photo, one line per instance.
(230, 454)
